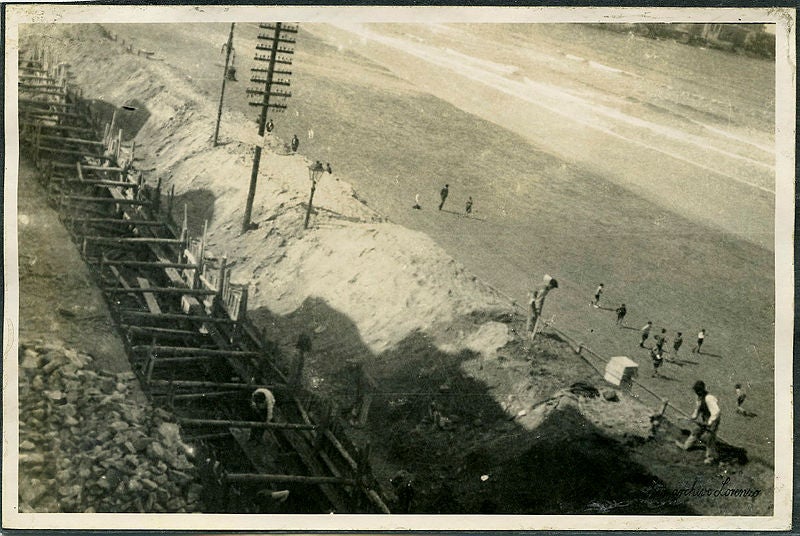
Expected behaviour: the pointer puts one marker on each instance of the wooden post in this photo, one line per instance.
(221, 281)
(170, 198)
(241, 314)
(157, 199)
(362, 463)
(224, 78)
(118, 148)
(324, 424)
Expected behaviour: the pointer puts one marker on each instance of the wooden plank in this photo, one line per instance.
(57, 150)
(175, 316)
(152, 330)
(214, 423)
(91, 167)
(184, 350)
(131, 240)
(258, 478)
(92, 182)
(70, 140)
(135, 223)
(149, 298)
(161, 290)
(189, 384)
(110, 200)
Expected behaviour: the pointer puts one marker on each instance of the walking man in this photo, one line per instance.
(270, 125)
(706, 421)
(701, 337)
(328, 168)
(621, 312)
(443, 194)
(469, 205)
(416, 202)
(597, 294)
(295, 143)
(677, 343)
(645, 332)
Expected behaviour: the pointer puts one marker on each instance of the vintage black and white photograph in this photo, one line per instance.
(437, 268)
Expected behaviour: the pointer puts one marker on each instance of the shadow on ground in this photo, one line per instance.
(130, 117)
(481, 462)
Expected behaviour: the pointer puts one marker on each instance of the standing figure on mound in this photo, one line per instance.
(295, 143)
(536, 302)
(468, 208)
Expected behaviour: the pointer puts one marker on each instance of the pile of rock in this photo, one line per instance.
(85, 446)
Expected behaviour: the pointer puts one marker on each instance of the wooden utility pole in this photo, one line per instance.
(277, 46)
(229, 48)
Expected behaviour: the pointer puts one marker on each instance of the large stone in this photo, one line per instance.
(156, 451)
(32, 490)
(119, 426)
(31, 458)
(170, 432)
(610, 395)
(149, 484)
(30, 360)
(27, 445)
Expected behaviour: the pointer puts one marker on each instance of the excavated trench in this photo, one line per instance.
(183, 323)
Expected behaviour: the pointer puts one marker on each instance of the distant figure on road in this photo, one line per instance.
(706, 416)
(310, 133)
(270, 125)
(677, 343)
(645, 332)
(443, 194)
(416, 202)
(597, 294)
(328, 168)
(701, 337)
(468, 209)
(621, 312)
(295, 143)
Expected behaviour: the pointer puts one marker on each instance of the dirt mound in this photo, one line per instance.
(390, 280)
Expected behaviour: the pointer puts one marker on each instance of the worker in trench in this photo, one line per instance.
(262, 403)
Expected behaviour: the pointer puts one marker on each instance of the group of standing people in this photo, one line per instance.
(656, 351)
(706, 416)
